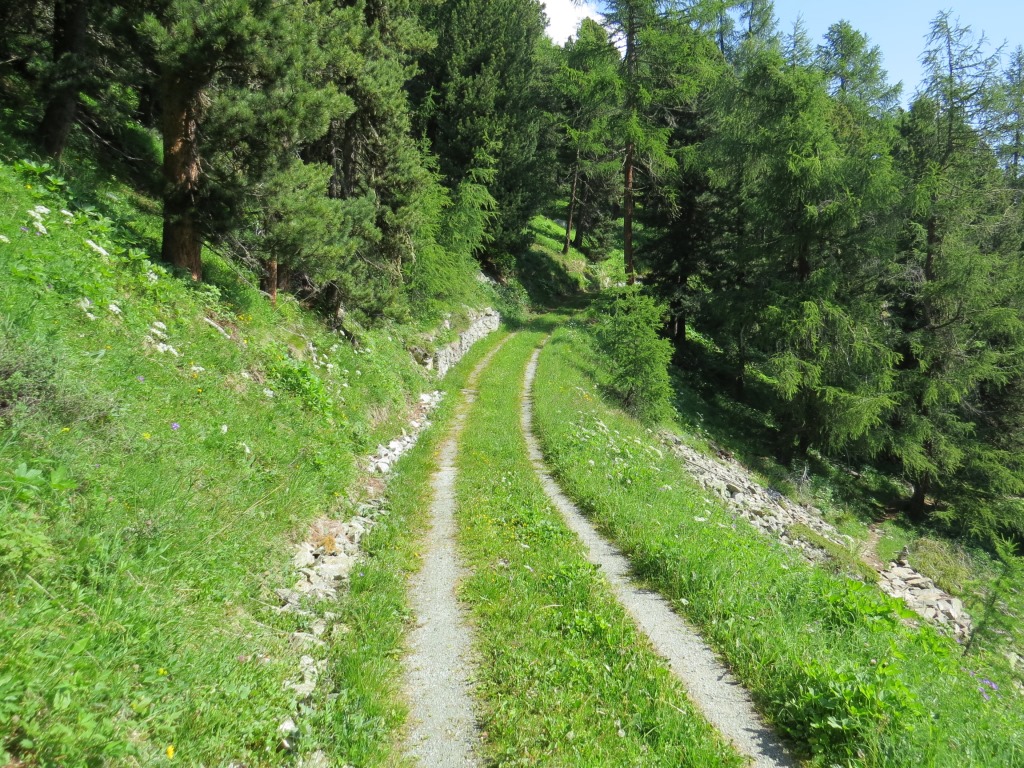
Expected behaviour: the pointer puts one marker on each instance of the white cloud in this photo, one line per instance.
(564, 17)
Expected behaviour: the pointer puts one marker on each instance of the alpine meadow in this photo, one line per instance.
(385, 384)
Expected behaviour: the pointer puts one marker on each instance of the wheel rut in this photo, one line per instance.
(722, 700)
(442, 730)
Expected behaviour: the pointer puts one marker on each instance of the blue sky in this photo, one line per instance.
(898, 27)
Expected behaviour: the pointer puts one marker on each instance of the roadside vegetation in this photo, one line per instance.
(164, 443)
(565, 677)
(839, 668)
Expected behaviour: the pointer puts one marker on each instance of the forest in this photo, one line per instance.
(848, 264)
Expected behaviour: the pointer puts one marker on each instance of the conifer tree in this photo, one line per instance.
(476, 91)
(229, 81)
(589, 88)
(955, 288)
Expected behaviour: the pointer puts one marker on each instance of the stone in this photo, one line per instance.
(305, 556)
(316, 760)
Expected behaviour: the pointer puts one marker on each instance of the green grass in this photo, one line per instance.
(365, 707)
(149, 501)
(841, 560)
(853, 499)
(831, 662)
(564, 680)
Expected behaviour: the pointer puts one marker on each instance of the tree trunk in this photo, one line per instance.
(70, 28)
(182, 238)
(572, 207)
(917, 504)
(577, 241)
(627, 224)
(268, 281)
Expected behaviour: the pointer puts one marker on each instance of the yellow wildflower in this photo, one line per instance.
(161, 671)
(170, 751)
(146, 435)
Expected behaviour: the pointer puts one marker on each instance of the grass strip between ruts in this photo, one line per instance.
(565, 678)
(830, 661)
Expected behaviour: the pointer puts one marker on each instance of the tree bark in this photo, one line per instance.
(627, 224)
(917, 504)
(182, 237)
(269, 280)
(70, 28)
(572, 207)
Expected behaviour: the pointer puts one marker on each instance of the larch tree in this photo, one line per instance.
(589, 89)
(954, 288)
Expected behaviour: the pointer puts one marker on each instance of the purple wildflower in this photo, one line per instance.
(175, 426)
(985, 695)
(24, 229)
(140, 378)
(990, 684)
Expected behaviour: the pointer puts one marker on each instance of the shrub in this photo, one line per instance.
(626, 324)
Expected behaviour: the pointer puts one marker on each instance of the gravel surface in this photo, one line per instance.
(725, 703)
(442, 730)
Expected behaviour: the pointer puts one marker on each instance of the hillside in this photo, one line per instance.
(384, 384)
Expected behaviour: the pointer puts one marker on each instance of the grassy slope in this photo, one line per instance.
(147, 500)
(829, 662)
(565, 679)
(855, 502)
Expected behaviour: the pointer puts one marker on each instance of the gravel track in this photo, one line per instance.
(723, 701)
(442, 730)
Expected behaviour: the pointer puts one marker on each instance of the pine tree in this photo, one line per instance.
(853, 69)
(229, 82)
(68, 68)
(1010, 126)
(806, 191)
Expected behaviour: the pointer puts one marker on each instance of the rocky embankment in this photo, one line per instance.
(482, 322)
(324, 561)
(774, 514)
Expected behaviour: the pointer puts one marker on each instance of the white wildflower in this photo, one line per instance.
(161, 347)
(40, 228)
(42, 209)
(152, 276)
(84, 304)
(90, 315)
(98, 248)
(4, 239)
(114, 309)
(268, 392)
(198, 369)
(66, 212)
(159, 326)
(223, 429)
(245, 448)
(344, 384)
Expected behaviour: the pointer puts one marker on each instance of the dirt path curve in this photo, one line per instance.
(442, 731)
(725, 704)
